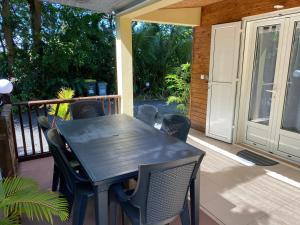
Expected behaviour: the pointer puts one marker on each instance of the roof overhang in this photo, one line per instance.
(104, 6)
(154, 11)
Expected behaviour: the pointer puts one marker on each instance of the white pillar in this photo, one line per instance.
(124, 64)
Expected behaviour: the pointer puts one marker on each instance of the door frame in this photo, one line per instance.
(239, 131)
(250, 46)
(279, 131)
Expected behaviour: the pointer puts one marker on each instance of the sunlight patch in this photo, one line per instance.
(222, 151)
(284, 179)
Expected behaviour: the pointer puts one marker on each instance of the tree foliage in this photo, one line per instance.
(157, 50)
(178, 84)
(46, 46)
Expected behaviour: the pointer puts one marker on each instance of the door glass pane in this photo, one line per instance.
(291, 112)
(263, 73)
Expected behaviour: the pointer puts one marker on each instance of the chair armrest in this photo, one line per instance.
(118, 190)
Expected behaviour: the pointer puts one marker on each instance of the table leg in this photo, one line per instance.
(101, 205)
(195, 199)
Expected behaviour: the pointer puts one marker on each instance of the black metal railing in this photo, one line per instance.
(30, 142)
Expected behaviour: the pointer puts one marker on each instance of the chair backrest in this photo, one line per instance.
(162, 189)
(147, 114)
(43, 123)
(57, 147)
(86, 109)
(176, 125)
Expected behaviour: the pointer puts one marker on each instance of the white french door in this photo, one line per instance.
(271, 86)
(287, 131)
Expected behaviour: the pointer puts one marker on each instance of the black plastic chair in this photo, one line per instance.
(43, 123)
(147, 114)
(77, 187)
(176, 125)
(86, 109)
(161, 193)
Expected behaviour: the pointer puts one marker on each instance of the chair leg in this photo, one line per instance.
(55, 180)
(185, 215)
(122, 217)
(79, 209)
(67, 194)
(113, 209)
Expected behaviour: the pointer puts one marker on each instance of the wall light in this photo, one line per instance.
(6, 88)
(278, 6)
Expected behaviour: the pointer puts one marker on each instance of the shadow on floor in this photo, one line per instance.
(41, 171)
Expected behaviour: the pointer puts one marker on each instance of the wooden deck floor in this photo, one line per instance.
(41, 171)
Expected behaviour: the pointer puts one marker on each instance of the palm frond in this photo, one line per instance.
(38, 205)
(22, 196)
(64, 93)
(10, 220)
(17, 184)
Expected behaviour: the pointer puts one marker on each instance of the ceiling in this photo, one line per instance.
(105, 6)
(192, 3)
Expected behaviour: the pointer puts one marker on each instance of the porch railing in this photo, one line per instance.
(30, 142)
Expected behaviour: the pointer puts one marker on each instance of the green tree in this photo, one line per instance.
(157, 49)
(47, 46)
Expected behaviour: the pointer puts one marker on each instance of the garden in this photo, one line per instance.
(45, 47)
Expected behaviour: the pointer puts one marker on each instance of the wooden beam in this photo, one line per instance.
(183, 17)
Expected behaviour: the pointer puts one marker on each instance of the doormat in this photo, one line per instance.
(256, 159)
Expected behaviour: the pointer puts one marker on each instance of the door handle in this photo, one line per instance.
(271, 91)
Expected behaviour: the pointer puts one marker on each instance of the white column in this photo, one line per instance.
(124, 64)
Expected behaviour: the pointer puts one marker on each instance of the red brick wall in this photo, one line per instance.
(218, 13)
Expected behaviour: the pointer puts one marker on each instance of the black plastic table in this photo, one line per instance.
(110, 149)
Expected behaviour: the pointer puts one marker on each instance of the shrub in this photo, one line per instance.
(178, 85)
(64, 93)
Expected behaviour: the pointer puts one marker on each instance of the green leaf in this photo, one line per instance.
(64, 93)
(10, 220)
(22, 196)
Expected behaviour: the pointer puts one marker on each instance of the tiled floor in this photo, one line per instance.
(233, 191)
(236, 192)
(41, 171)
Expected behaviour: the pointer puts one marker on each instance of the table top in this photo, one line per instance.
(110, 148)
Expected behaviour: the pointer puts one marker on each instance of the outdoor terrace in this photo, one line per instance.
(232, 191)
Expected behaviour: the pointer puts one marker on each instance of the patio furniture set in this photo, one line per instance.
(96, 155)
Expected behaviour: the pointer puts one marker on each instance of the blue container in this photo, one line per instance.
(102, 88)
(90, 87)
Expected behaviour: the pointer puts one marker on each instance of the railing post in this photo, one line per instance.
(39, 130)
(22, 129)
(30, 129)
(43, 105)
